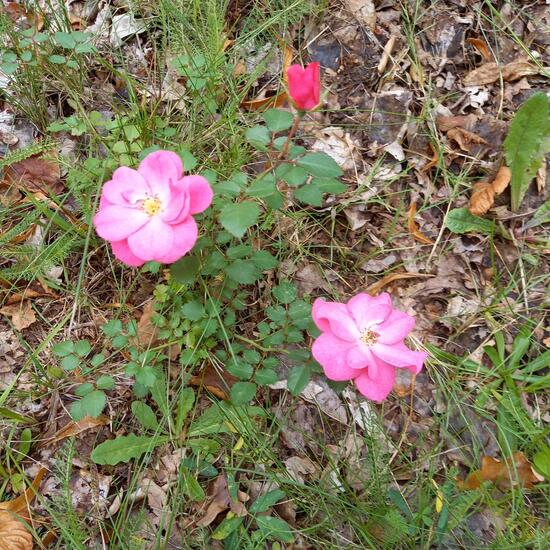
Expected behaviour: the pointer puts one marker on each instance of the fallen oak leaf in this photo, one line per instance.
(22, 315)
(518, 471)
(13, 533)
(413, 228)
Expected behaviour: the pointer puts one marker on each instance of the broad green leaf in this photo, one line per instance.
(125, 447)
(61, 349)
(329, 185)
(237, 218)
(226, 527)
(298, 378)
(145, 415)
(112, 328)
(82, 348)
(191, 486)
(278, 120)
(320, 164)
(243, 271)
(541, 215)
(25, 441)
(293, 175)
(285, 292)
(186, 401)
(263, 260)
(309, 194)
(541, 461)
(273, 527)
(185, 271)
(240, 369)
(70, 362)
(92, 404)
(84, 389)
(243, 392)
(460, 220)
(57, 59)
(266, 376)
(259, 137)
(527, 142)
(264, 502)
(193, 310)
(146, 376)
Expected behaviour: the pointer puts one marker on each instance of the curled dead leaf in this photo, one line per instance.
(22, 315)
(220, 500)
(413, 228)
(517, 470)
(490, 73)
(482, 48)
(390, 278)
(483, 194)
(270, 102)
(446, 123)
(35, 174)
(74, 428)
(483, 197)
(502, 179)
(215, 382)
(13, 533)
(464, 138)
(147, 332)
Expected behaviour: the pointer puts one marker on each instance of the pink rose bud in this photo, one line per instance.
(363, 341)
(304, 85)
(147, 214)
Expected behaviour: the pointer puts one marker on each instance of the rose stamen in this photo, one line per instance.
(151, 206)
(369, 337)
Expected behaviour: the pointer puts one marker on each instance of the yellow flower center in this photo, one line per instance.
(369, 337)
(151, 206)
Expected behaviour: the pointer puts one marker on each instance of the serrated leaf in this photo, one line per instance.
(83, 389)
(309, 194)
(259, 137)
(266, 376)
(460, 220)
(82, 348)
(298, 378)
(146, 376)
(70, 362)
(145, 415)
(237, 218)
(185, 271)
(264, 260)
(61, 349)
(243, 392)
(285, 292)
(243, 271)
(278, 120)
(320, 164)
(240, 369)
(192, 310)
(124, 448)
(527, 142)
(92, 404)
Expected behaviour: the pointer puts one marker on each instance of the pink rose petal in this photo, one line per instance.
(185, 237)
(200, 193)
(153, 241)
(122, 252)
(330, 353)
(116, 223)
(379, 387)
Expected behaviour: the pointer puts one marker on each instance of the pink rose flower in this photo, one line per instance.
(304, 85)
(146, 214)
(363, 341)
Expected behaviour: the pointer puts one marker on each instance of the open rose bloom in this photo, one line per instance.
(147, 214)
(363, 341)
(304, 85)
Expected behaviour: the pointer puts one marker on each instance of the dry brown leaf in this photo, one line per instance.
(391, 277)
(483, 197)
(502, 179)
(464, 138)
(482, 48)
(413, 228)
(483, 194)
(270, 102)
(35, 174)
(541, 178)
(22, 315)
(74, 428)
(364, 10)
(27, 294)
(220, 500)
(504, 474)
(215, 382)
(446, 123)
(490, 73)
(13, 533)
(147, 333)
